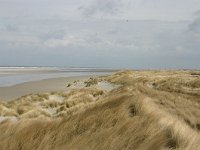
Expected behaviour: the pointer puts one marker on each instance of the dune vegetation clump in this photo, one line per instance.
(150, 110)
(91, 81)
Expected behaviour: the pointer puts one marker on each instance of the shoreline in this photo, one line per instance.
(9, 93)
(13, 76)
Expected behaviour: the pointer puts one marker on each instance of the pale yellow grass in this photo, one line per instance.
(150, 110)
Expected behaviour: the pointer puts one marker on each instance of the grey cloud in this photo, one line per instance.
(55, 34)
(192, 36)
(197, 13)
(109, 7)
(113, 31)
(195, 25)
(12, 28)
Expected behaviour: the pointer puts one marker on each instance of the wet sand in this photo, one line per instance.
(33, 87)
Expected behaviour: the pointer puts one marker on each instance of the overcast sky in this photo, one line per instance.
(141, 34)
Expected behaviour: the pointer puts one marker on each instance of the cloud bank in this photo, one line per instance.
(112, 33)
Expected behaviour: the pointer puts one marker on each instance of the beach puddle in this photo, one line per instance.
(103, 85)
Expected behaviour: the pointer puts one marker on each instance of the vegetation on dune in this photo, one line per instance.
(91, 81)
(151, 110)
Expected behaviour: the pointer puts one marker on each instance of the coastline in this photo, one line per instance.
(20, 81)
(10, 76)
(41, 86)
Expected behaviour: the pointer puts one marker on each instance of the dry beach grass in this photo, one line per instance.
(150, 110)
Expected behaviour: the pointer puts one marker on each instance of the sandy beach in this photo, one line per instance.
(20, 81)
(41, 86)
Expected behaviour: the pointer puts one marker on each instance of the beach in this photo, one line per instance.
(36, 87)
(20, 81)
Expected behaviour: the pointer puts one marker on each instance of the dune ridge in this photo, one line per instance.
(147, 110)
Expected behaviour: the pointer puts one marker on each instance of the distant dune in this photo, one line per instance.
(140, 110)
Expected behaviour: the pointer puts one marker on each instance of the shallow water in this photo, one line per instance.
(15, 75)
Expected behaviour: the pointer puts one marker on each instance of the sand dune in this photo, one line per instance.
(143, 110)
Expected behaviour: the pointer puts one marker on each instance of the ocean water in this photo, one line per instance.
(15, 75)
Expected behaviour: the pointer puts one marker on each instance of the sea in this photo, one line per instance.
(10, 76)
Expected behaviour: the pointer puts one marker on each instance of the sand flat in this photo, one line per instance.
(33, 87)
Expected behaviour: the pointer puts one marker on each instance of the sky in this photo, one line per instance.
(137, 34)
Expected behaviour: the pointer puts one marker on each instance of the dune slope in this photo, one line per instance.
(148, 110)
